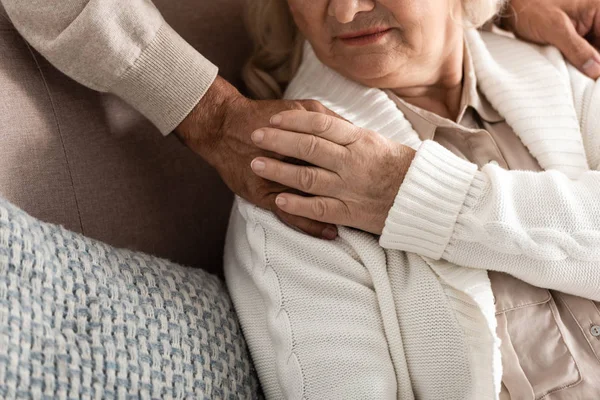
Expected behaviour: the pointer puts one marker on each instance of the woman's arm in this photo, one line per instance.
(540, 227)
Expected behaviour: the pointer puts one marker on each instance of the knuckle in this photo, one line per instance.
(368, 137)
(307, 146)
(268, 133)
(343, 160)
(555, 19)
(561, 28)
(559, 19)
(314, 105)
(298, 104)
(319, 208)
(347, 213)
(321, 123)
(306, 179)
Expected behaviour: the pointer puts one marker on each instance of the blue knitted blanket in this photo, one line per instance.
(82, 320)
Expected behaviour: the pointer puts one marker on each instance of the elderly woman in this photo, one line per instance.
(450, 132)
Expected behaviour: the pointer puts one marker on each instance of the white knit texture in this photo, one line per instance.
(339, 320)
(363, 106)
(543, 228)
(317, 314)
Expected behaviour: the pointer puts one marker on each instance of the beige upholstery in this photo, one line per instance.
(86, 160)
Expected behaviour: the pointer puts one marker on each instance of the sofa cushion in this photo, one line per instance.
(88, 161)
(81, 319)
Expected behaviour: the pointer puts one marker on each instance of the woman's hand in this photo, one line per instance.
(218, 129)
(354, 174)
(573, 26)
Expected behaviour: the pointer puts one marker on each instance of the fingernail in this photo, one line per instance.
(258, 165)
(281, 201)
(258, 136)
(276, 119)
(591, 67)
(329, 233)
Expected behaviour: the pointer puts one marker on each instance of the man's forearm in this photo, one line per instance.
(122, 47)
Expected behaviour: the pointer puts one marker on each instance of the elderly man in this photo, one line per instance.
(127, 49)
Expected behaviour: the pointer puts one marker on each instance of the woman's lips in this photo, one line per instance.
(364, 38)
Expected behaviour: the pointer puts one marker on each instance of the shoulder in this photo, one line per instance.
(509, 48)
(264, 231)
(266, 236)
(521, 57)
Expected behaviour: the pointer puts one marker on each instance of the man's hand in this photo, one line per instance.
(219, 130)
(573, 26)
(354, 173)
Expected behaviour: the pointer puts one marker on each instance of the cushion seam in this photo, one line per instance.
(60, 135)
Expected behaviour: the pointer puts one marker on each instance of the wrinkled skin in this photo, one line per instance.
(219, 127)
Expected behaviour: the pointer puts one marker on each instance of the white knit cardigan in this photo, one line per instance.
(412, 315)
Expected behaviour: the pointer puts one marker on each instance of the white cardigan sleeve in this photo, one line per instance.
(541, 227)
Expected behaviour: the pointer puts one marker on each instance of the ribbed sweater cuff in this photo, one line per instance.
(167, 80)
(424, 213)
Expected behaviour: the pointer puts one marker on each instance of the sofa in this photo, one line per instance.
(87, 161)
(111, 232)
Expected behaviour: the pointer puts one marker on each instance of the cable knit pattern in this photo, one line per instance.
(80, 319)
(508, 220)
(538, 243)
(363, 322)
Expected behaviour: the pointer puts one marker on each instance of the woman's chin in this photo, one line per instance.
(370, 74)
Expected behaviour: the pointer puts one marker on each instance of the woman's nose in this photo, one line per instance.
(345, 10)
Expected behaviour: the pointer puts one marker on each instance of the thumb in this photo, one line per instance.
(576, 49)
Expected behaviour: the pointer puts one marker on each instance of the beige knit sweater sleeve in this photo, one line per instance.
(121, 47)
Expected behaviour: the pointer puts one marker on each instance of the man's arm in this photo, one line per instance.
(125, 47)
(122, 47)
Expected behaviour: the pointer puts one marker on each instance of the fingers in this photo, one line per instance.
(310, 180)
(313, 228)
(324, 209)
(304, 147)
(325, 126)
(594, 36)
(576, 49)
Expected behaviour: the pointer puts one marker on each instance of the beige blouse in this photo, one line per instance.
(550, 340)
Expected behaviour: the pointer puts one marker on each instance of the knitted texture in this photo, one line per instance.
(347, 319)
(311, 308)
(80, 319)
(508, 221)
(363, 106)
